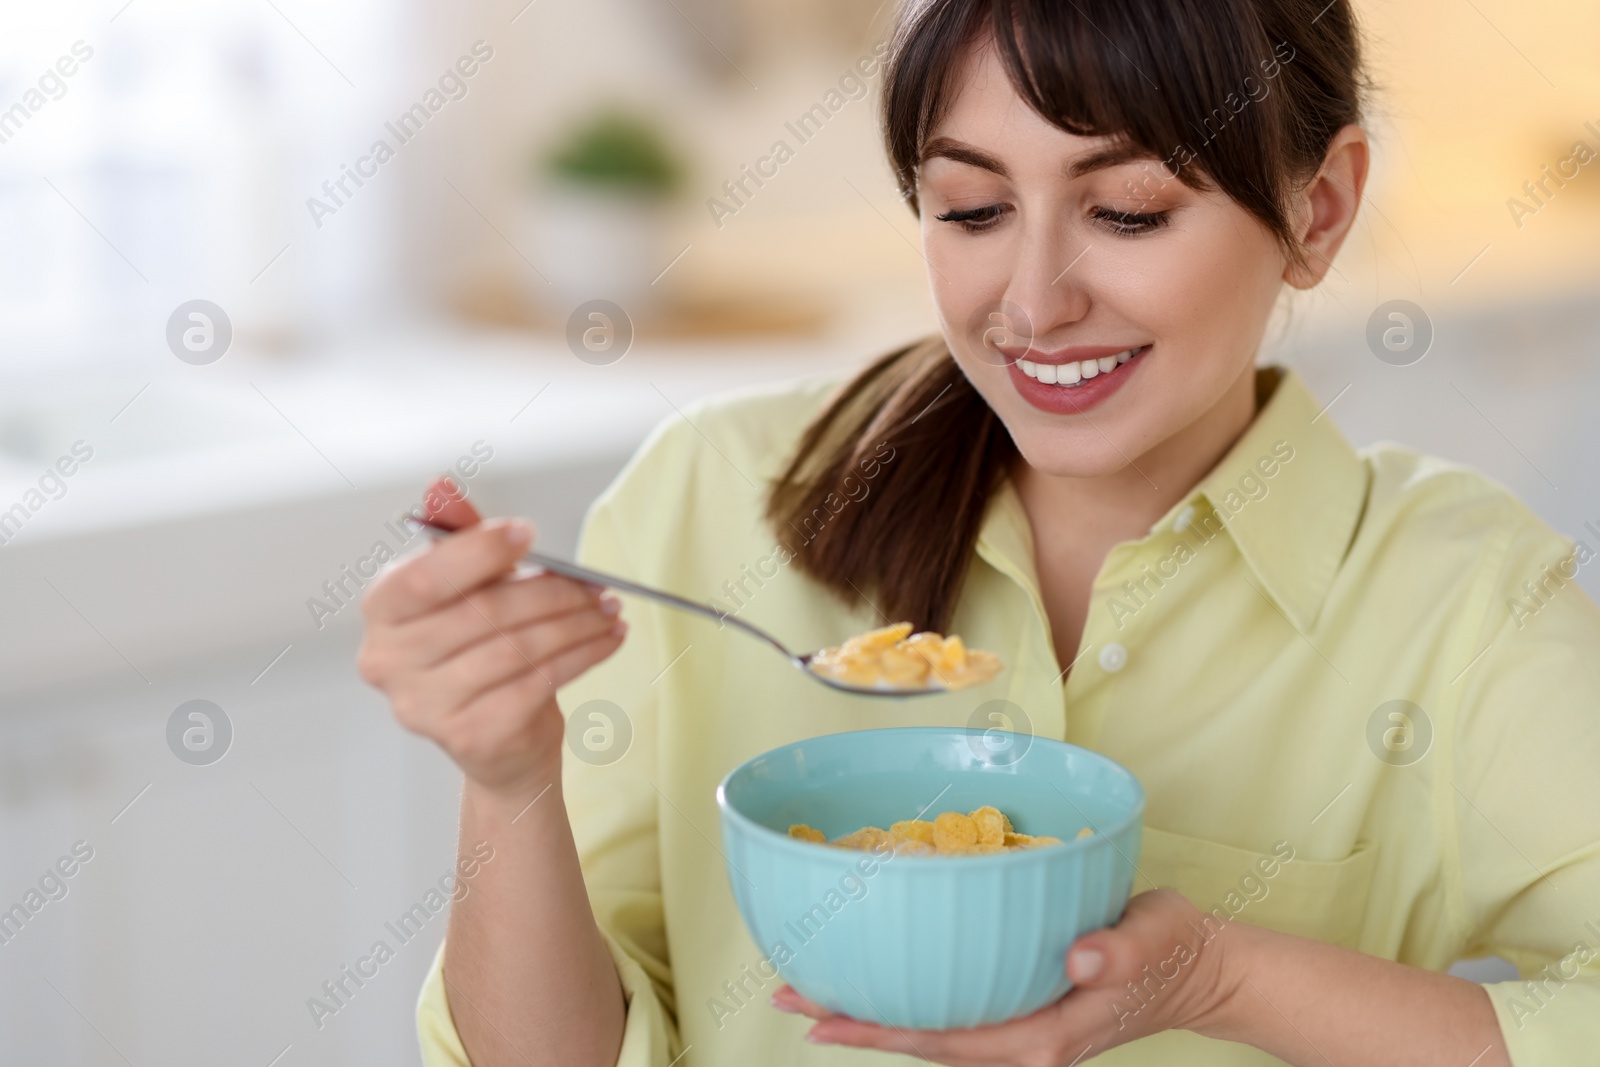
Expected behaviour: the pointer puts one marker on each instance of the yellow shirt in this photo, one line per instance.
(1241, 659)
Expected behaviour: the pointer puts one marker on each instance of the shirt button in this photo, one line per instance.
(1183, 519)
(1113, 658)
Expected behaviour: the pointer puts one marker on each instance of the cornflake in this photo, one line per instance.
(896, 658)
(981, 831)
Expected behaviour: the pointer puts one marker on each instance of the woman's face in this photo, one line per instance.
(1094, 263)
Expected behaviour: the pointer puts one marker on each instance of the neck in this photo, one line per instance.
(1123, 505)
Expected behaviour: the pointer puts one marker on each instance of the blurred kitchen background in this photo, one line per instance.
(375, 328)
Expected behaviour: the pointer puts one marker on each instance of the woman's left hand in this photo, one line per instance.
(1155, 970)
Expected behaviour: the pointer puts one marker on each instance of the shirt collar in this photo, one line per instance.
(1292, 526)
(1005, 541)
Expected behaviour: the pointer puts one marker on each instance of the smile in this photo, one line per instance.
(1075, 374)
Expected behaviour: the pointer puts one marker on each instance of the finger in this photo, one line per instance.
(565, 666)
(1068, 1028)
(490, 719)
(447, 570)
(1108, 958)
(509, 604)
(1086, 963)
(786, 999)
(445, 504)
(505, 654)
(1006, 1042)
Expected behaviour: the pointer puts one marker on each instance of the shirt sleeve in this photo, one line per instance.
(611, 804)
(1526, 799)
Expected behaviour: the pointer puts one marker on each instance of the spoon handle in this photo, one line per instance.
(612, 581)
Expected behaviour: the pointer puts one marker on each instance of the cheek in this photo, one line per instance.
(966, 278)
(950, 276)
(1225, 281)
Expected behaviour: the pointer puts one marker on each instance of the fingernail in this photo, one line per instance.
(1087, 963)
(518, 533)
(781, 1006)
(620, 627)
(610, 605)
(818, 1039)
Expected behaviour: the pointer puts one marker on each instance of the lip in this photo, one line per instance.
(1074, 400)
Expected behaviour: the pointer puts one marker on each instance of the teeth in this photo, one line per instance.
(1073, 373)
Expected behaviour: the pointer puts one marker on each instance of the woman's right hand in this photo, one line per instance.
(471, 655)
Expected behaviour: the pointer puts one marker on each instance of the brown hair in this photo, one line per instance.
(1172, 78)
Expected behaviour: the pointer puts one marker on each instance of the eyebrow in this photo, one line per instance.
(961, 152)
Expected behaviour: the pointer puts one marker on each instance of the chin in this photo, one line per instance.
(1069, 455)
(1078, 450)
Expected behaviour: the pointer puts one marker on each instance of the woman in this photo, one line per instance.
(1358, 688)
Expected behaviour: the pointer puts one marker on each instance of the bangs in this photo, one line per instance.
(1195, 85)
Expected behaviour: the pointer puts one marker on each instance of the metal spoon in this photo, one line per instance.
(802, 660)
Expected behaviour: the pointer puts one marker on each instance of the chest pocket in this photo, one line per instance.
(1325, 901)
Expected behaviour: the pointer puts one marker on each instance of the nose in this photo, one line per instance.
(1050, 281)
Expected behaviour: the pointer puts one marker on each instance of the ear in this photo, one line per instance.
(1326, 208)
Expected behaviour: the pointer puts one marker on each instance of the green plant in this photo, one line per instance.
(615, 147)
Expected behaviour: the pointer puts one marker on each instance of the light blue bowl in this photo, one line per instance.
(928, 942)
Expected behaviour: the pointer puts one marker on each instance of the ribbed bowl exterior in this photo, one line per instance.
(927, 942)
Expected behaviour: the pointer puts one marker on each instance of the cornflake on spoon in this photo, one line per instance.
(896, 658)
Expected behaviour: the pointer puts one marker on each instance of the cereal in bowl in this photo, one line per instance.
(951, 833)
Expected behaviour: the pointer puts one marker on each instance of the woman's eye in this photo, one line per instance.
(974, 220)
(1130, 222)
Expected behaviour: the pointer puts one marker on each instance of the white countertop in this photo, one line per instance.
(253, 429)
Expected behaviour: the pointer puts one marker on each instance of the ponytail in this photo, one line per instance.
(929, 451)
